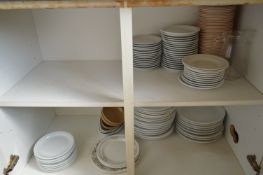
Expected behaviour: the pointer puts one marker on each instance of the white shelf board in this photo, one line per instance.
(161, 87)
(68, 84)
(173, 155)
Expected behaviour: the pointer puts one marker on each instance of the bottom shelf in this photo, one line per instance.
(173, 155)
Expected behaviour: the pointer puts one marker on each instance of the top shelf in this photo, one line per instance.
(54, 4)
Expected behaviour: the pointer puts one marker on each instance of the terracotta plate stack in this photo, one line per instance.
(214, 21)
(111, 120)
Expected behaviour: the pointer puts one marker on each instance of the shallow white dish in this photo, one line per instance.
(205, 62)
(202, 115)
(180, 30)
(111, 151)
(54, 145)
(157, 137)
(146, 39)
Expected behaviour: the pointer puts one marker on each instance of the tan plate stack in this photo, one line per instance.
(214, 22)
(111, 120)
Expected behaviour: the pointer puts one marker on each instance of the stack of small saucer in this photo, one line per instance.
(147, 51)
(203, 71)
(178, 42)
(111, 121)
(55, 151)
(214, 21)
(200, 124)
(154, 123)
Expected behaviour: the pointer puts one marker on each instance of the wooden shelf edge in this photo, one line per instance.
(54, 4)
(163, 3)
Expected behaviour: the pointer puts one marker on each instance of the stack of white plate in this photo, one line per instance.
(203, 71)
(200, 124)
(178, 42)
(153, 123)
(147, 51)
(55, 151)
(109, 154)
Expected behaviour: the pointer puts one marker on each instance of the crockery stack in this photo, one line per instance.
(111, 121)
(55, 151)
(200, 124)
(153, 123)
(147, 51)
(178, 42)
(109, 154)
(203, 71)
(214, 21)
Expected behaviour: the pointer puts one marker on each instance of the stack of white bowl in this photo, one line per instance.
(200, 124)
(153, 123)
(203, 71)
(178, 42)
(55, 151)
(109, 154)
(147, 51)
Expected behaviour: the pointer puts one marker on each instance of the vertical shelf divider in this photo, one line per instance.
(128, 90)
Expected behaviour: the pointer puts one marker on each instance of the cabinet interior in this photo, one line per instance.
(54, 59)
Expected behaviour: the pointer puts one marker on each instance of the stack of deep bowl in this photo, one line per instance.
(200, 124)
(214, 21)
(147, 51)
(154, 123)
(111, 121)
(178, 42)
(55, 151)
(203, 71)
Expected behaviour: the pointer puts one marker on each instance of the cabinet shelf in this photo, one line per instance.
(174, 154)
(68, 84)
(162, 88)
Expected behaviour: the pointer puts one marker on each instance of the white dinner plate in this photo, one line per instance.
(205, 62)
(180, 30)
(54, 145)
(111, 151)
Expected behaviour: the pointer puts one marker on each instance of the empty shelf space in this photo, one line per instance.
(175, 155)
(68, 84)
(162, 88)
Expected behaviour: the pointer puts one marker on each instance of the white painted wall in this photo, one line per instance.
(151, 20)
(248, 120)
(78, 111)
(79, 34)
(19, 129)
(19, 54)
(19, 49)
(251, 19)
(88, 34)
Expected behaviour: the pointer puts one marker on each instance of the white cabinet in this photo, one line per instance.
(58, 67)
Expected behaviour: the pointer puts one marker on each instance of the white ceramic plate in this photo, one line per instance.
(204, 87)
(146, 39)
(158, 137)
(111, 151)
(202, 115)
(54, 145)
(180, 30)
(205, 62)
